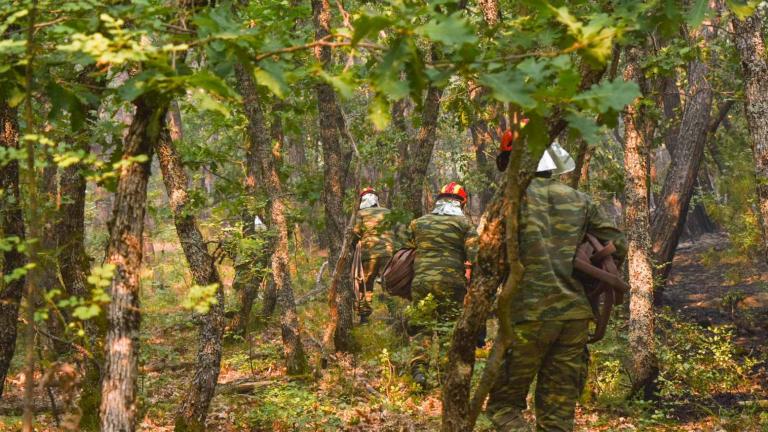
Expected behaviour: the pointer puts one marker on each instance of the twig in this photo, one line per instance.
(324, 41)
(48, 390)
(319, 287)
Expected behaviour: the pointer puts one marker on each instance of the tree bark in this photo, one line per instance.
(269, 303)
(751, 46)
(669, 218)
(483, 139)
(330, 118)
(119, 399)
(246, 282)
(12, 220)
(582, 164)
(414, 171)
(491, 11)
(48, 274)
(638, 135)
(671, 101)
(73, 259)
(194, 409)
(260, 142)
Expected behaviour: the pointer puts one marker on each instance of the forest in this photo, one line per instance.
(183, 182)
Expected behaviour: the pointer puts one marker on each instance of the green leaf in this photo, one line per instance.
(508, 89)
(564, 17)
(379, 113)
(452, 30)
(394, 89)
(271, 75)
(205, 102)
(208, 81)
(201, 298)
(86, 312)
(607, 96)
(697, 12)
(344, 83)
(536, 134)
(743, 9)
(585, 126)
(368, 24)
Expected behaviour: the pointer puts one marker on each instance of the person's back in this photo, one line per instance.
(444, 241)
(373, 235)
(373, 230)
(556, 218)
(443, 244)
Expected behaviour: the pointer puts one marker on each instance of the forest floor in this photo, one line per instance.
(712, 380)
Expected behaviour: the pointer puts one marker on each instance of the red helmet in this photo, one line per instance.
(507, 139)
(453, 190)
(510, 136)
(368, 190)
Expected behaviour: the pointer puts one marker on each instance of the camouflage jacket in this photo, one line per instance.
(555, 218)
(443, 243)
(374, 232)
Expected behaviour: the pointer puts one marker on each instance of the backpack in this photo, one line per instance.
(397, 276)
(595, 267)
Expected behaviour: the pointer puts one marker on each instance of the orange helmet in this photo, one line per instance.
(453, 190)
(368, 190)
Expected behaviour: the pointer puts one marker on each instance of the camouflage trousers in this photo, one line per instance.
(371, 269)
(553, 352)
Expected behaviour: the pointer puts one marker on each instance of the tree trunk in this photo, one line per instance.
(491, 11)
(330, 119)
(582, 165)
(12, 220)
(751, 46)
(194, 409)
(670, 215)
(414, 171)
(246, 282)
(638, 135)
(261, 148)
(671, 101)
(483, 139)
(119, 399)
(73, 259)
(269, 303)
(48, 274)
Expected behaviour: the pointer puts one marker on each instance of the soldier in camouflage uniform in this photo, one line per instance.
(551, 311)
(444, 240)
(372, 231)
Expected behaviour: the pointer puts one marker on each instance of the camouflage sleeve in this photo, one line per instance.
(471, 242)
(601, 226)
(357, 230)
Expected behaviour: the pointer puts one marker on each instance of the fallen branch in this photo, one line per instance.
(317, 290)
(163, 365)
(242, 386)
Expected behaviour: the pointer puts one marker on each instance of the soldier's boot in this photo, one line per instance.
(364, 309)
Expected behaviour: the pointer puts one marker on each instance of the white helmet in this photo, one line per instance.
(557, 160)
